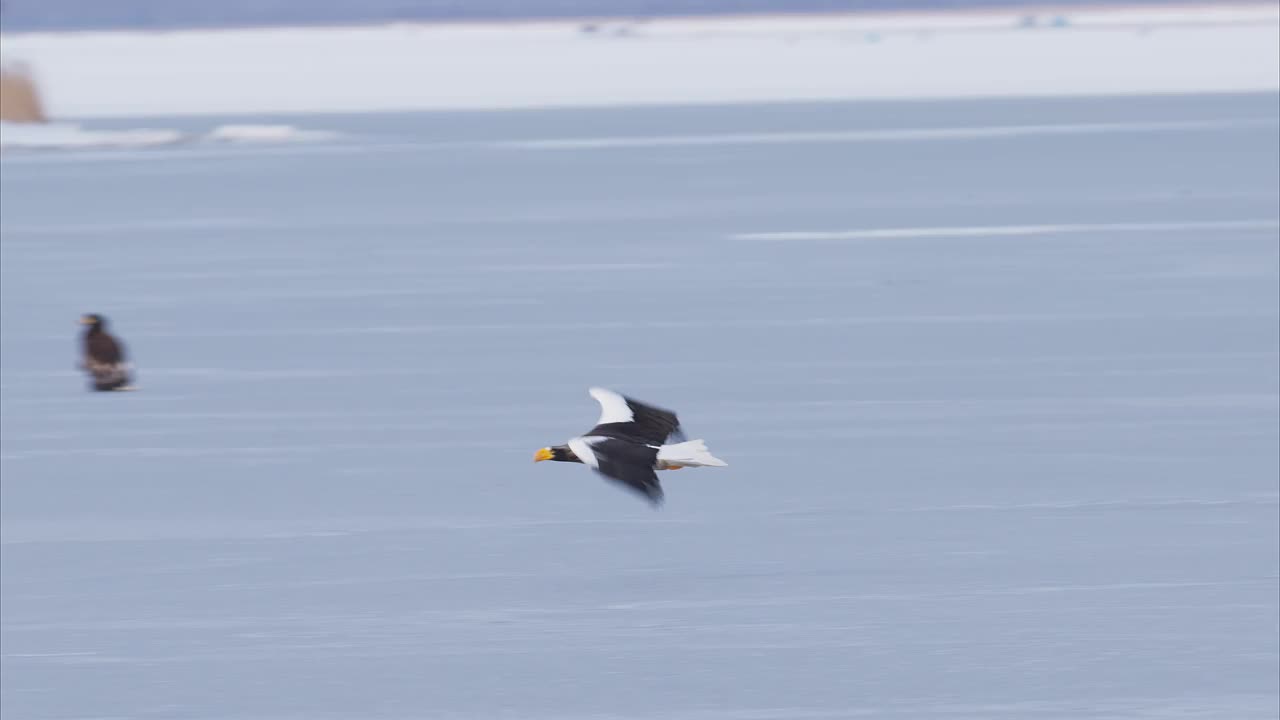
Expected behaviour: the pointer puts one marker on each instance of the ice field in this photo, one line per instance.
(998, 383)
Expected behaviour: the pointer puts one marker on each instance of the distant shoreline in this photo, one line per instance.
(797, 9)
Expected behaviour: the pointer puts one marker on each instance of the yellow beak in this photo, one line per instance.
(85, 321)
(543, 454)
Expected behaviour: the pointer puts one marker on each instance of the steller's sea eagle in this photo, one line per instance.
(629, 443)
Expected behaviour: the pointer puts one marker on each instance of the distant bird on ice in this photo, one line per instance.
(628, 444)
(104, 357)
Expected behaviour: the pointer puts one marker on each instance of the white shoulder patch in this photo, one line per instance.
(581, 447)
(613, 407)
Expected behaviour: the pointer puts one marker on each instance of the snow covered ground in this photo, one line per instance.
(1000, 406)
(678, 61)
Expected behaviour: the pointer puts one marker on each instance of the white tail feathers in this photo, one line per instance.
(693, 453)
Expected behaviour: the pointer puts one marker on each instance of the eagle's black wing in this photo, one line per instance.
(104, 349)
(622, 461)
(624, 417)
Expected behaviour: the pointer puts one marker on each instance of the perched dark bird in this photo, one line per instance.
(629, 443)
(104, 356)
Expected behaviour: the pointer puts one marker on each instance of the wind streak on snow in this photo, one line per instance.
(888, 135)
(1012, 230)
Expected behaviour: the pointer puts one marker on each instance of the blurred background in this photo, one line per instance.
(980, 301)
(52, 15)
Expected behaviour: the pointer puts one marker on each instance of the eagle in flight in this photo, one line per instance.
(630, 443)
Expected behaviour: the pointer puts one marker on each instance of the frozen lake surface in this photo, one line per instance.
(1000, 407)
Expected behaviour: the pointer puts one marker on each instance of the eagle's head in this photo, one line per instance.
(93, 321)
(558, 453)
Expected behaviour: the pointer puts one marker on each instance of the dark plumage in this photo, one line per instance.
(104, 356)
(621, 460)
